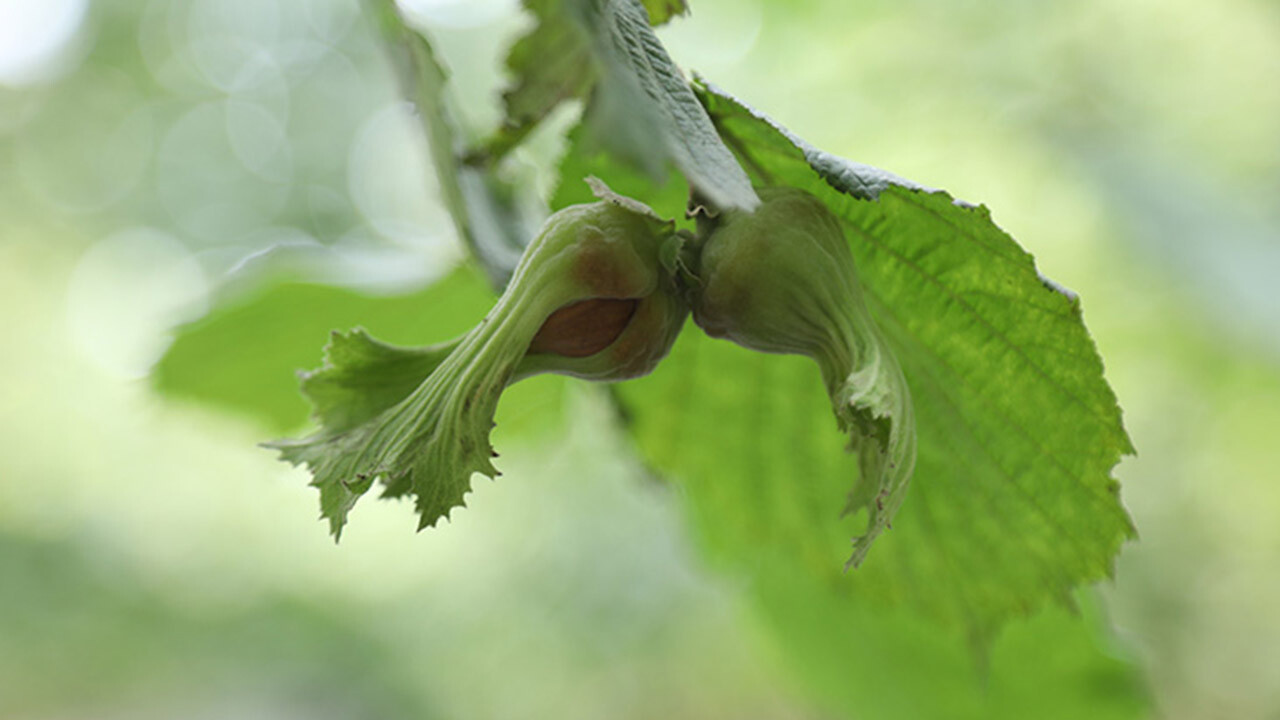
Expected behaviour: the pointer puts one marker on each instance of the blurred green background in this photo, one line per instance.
(159, 159)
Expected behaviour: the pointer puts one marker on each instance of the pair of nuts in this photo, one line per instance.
(601, 294)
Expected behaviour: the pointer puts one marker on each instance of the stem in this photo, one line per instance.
(468, 193)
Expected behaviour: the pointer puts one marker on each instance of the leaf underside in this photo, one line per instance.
(553, 62)
(640, 107)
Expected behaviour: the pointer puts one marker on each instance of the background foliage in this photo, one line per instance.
(156, 563)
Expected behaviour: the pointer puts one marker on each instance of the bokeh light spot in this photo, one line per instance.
(125, 293)
(391, 182)
(34, 36)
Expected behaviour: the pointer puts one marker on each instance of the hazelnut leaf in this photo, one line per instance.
(1012, 503)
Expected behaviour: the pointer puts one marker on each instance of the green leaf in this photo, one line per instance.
(862, 660)
(641, 109)
(1012, 503)
(244, 356)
